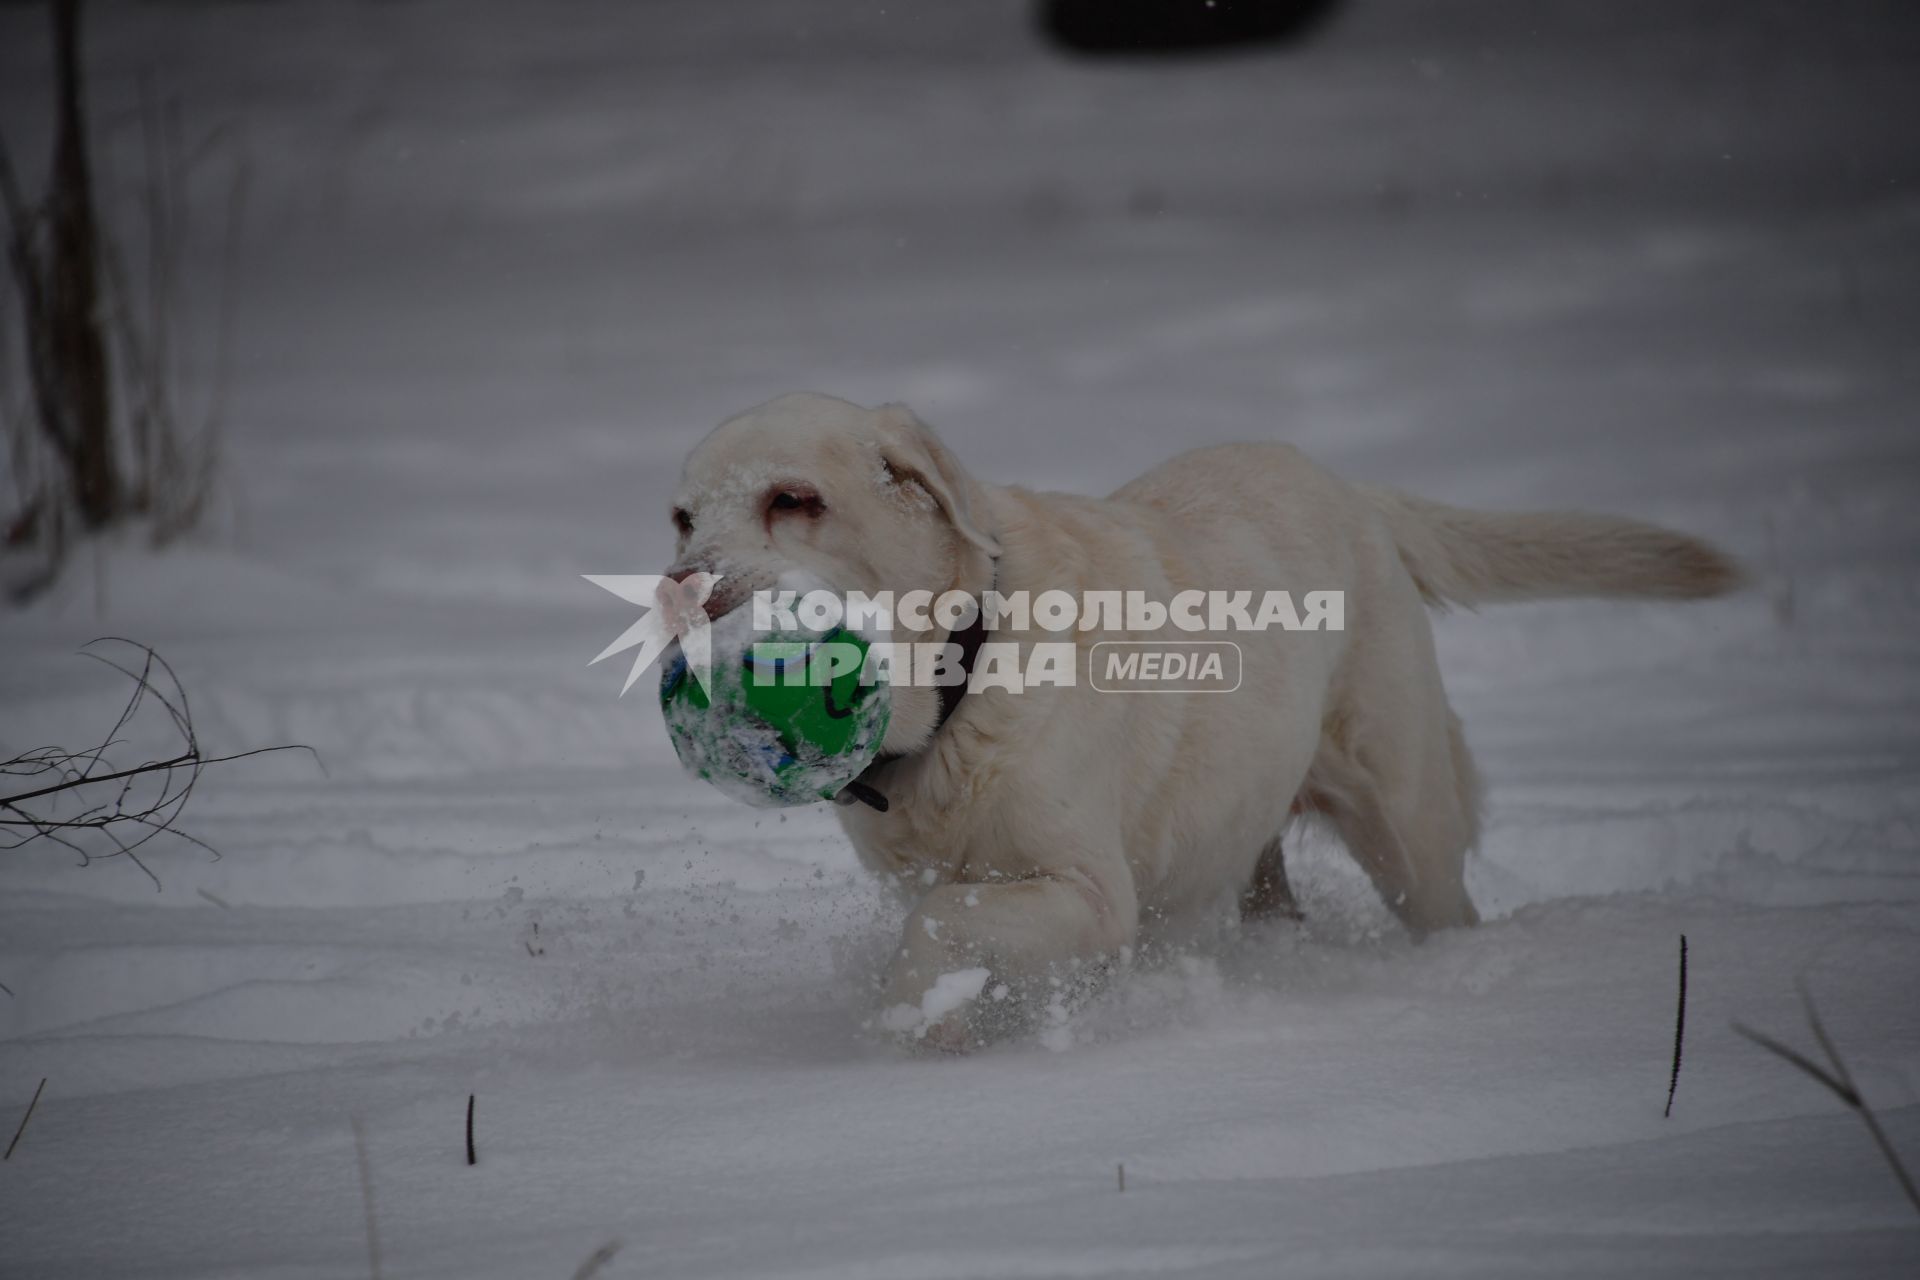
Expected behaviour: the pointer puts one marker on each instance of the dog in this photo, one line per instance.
(1048, 830)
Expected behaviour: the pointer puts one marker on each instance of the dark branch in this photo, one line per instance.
(1839, 1081)
(132, 814)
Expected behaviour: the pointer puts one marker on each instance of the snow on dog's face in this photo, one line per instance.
(810, 491)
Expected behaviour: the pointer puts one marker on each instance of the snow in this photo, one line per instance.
(950, 991)
(504, 265)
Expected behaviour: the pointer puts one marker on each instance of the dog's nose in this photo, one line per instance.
(720, 601)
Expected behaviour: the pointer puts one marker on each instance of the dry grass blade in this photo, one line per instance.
(366, 1198)
(23, 1119)
(597, 1259)
(1679, 1029)
(1838, 1081)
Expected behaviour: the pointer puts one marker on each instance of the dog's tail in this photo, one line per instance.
(1466, 557)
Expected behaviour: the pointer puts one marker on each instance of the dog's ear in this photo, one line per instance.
(911, 451)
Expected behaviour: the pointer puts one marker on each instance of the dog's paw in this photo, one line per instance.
(939, 1019)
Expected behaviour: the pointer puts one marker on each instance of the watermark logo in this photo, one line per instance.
(675, 611)
(1178, 650)
(1164, 666)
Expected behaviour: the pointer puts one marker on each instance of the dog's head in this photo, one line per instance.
(812, 491)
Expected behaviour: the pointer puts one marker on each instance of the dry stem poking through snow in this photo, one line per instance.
(1840, 1081)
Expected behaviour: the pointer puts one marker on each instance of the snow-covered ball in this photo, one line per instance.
(786, 717)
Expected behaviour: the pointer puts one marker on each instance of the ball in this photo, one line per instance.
(785, 719)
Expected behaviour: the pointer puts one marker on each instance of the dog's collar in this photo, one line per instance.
(862, 790)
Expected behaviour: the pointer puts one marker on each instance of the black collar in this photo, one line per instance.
(969, 638)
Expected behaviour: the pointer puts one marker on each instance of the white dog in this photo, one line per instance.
(1050, 828)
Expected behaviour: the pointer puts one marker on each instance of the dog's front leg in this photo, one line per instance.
(978, 958)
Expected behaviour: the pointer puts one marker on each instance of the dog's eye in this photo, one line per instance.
(682, 521)
(787, 500)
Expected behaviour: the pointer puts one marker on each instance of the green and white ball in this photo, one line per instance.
(785, 719)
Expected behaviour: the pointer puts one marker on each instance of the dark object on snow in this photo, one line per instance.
(472, 1159)
(1177, 26)
(23, 1119)
(597, 1259)
(1679, 1028)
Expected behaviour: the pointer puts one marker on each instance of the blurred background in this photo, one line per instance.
(1506, 252)
(452, 286)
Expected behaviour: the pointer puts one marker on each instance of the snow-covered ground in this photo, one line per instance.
(504, 264)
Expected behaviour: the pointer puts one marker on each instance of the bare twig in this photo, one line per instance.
(152, 766)
(1679, 1028)
(366, 1198)
(23, 1119)
(126, 816)
(597, 1259)
(472, 1159)
(1839, 1081)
